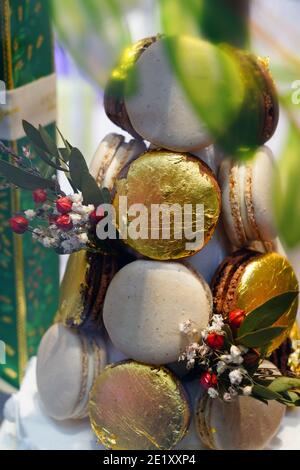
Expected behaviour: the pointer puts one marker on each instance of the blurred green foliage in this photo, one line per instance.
(95, 31)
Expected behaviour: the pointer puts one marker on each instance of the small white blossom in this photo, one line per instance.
(212, 392)
(217, 322)
(235, 377)
(37, 234)
(30, 214)
(76, 218)
(203, 350)
(83, 238)
(46, 207)
(227, 397)
(227, 358)
(81, 209)
(236, 356)
(221, 367)
(48, 242)
(77, 197)
(247, 390)
(185, 327)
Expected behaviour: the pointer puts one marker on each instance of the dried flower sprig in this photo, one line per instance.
(229, 355)
(64, 223)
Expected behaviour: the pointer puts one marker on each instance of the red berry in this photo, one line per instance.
(19, 224)
(64, 205)
(215, 341)
(64, 222)
(39, 196)
(208, 380)
(236, 318)
(97, 215)
(251, 358)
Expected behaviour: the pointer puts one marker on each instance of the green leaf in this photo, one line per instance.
(91, 192)
(229, 336)
(268, 313)
(78, 167)
(265, 392)
(49, 142)
(283, 384)
(43, 155)
(23, 179)
(34, 136)
(67, 145)
(261, 337)
(65, 154)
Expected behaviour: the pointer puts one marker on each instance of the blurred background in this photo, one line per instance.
(90, 34)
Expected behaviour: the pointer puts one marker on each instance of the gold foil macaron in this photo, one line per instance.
(83, 288)
(248, 279)
(175, 200)
(138, 407)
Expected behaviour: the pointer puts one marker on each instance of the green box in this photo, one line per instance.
(29, 273)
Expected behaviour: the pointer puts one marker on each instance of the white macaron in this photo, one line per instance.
(68, 362)
(247, 208)
(145, 305)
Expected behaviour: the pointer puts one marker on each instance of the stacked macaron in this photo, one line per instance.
(143, 297)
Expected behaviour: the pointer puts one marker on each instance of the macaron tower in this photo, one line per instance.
(151, 302)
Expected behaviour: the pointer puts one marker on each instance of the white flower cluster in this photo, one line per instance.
(230, 361)
(216, 326)
(68, 242)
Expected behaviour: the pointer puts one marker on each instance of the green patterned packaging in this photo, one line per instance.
(29, 277)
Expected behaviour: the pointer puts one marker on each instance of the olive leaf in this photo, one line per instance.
(283, 384)
(260, 337)
(42, 143)
(265, 392)
(268, 313)
(34, 136)
(23, 179)
(83, 180)
(49, 142)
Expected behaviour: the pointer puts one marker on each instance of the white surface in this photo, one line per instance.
(27, 427)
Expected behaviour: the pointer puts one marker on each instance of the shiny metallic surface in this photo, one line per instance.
(138, 407)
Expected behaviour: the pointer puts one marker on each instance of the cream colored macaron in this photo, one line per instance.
(68, 363)
(111, 156)
(247, 208)
(145, 304)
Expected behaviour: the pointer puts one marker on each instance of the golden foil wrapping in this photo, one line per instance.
(294, 358)
(71, 302)
(84, 287)
(265, 277)
(138, 407)
(166, 178)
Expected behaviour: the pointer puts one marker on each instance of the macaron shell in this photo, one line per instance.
(245, 424)
(159, 179)
(138, 407)
(247, 199)
(104, 156)
(125, 154)
(261, 193)
(145, 304)
(264, 277)
(158, 109)
(59, 371)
